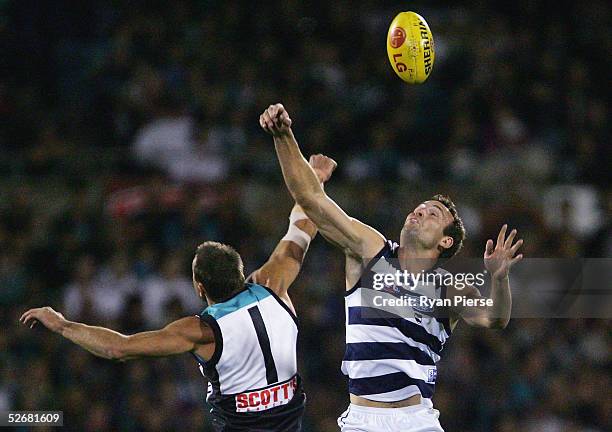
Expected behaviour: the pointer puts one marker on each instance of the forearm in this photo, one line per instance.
(283, 266)
(306, 224)
(99, 341)
(299, 176)
(499, 312)
(299, 235)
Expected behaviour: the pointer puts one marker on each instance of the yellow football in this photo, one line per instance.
(410, 47)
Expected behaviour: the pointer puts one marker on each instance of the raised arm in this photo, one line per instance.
(283, 266)
(188, 334)
(356, 239)
(498, 261)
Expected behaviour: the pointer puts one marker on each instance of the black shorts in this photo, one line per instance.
(286, 418)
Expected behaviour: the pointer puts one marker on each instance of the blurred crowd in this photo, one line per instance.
(130, 134)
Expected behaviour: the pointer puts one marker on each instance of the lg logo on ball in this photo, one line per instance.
(397, 38)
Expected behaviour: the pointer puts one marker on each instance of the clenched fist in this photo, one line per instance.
(323, 166)
(275, 120)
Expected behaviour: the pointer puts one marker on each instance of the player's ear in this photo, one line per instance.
(201, 290)
(446, 242)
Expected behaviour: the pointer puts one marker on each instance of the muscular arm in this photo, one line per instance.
(283, 266)
(184, 335)
(279, 272)
(353, 237)
(498, 259)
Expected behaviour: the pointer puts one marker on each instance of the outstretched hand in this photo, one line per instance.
(275, 120)
(500, 258)
(51, 319)
(323, 166)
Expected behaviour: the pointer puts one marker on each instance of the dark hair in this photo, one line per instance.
(456, 230)
(219, 268)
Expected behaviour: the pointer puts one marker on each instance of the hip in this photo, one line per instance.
(414, 418)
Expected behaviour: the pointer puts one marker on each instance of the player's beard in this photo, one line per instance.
(412, 239)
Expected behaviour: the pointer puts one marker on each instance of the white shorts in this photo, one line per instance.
(416, 418)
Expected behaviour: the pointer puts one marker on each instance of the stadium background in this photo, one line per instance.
(129, 134)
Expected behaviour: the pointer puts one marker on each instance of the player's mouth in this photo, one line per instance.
(413, 221)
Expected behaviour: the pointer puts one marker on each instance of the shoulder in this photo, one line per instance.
(370, 239)
(387, 249)
(199, 329)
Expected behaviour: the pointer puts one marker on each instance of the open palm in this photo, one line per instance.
(500, 257)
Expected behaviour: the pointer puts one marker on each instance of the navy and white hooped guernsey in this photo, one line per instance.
(389, 357)
(253, 380)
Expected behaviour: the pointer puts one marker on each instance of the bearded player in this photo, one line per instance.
(391, 358)
(244, 341)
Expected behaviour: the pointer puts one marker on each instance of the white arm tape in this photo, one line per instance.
(298, 237)
(296, 215)
(294, 234)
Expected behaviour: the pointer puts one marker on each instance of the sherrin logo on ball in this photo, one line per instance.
(410, 47)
